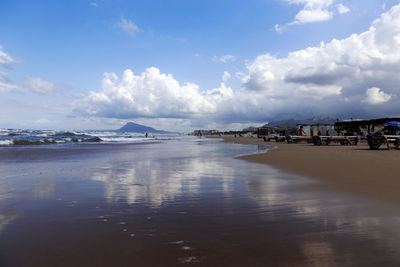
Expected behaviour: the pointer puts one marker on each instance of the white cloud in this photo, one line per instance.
(150, 95)
(375, 96)
(224, 59)
(6, 62)
(329, 79)
(342, 9)
(128, 27)
(5, 59)
(239, 75)
(312, 15)
(226, 76)
(38, 85)
(5, 82)
(313, 11)
(280, 28)
(327, 75)
(94, 4)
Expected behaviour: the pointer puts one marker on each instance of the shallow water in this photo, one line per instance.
(179, 202)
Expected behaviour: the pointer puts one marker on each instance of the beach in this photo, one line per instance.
(187, 201)
(354, 169)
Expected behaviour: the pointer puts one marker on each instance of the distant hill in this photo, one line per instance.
(294, 122)
(250, 129)
(137, 128)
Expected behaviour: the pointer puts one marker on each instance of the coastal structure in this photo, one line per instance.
(362, 127)
(263, 131)
(205, 132)
(267, 131)
(314, 129)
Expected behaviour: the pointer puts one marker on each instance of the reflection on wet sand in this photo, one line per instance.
(187, 202)
(332, 216)
(7, 215)
(157, 182)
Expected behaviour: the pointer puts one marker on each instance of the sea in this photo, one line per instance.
(10, 137)
(176, 201)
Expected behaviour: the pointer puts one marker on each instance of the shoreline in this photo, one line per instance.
(351, 169)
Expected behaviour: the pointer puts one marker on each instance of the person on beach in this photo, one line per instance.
(146, 135)
(301, 131)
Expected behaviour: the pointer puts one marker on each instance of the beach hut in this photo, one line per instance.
(306, 129)
(324, 129)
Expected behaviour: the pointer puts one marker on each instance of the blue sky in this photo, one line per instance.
(55, 54)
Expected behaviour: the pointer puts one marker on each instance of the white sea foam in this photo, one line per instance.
(5, 142)
(127, 140)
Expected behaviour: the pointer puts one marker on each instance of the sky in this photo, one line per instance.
(181, 65)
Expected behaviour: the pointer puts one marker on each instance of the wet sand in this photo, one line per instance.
(355, 169)
(186, 202)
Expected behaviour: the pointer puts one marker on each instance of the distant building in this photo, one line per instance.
(205, 132)
(268, 131)
(263, 131)
(314, 129)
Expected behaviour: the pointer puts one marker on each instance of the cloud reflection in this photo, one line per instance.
(157, 182)
(7, 215)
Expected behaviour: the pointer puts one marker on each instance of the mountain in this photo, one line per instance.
(294, 122)
(137, 128)
(250, 129)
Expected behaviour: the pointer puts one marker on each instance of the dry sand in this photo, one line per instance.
(355, 169)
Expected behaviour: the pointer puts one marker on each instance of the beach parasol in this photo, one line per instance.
(393, 123)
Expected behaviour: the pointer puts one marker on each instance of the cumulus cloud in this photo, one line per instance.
(375, 96)
(313, 11)
(128, 27)
(226, 76)
(329, 79)
(38, 85)
(312, 15)
(337, 71)
(150, 95)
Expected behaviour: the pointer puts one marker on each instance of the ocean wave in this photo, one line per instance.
(21, 137)
(68, 133)
(5, 142)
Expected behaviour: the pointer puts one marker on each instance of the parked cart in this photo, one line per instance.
(343, 140)
(299, 139)
(389, 137)
(280, 138)
(391, 141)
